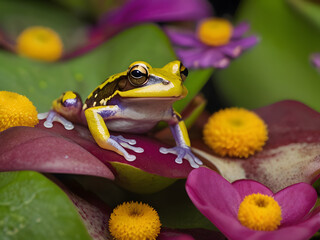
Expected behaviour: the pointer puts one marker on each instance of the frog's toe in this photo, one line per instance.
(193, 160)
(135, 149)
(127, 143)
(183, 152)
(67, 124)
(130, 141)
(129, 157)
(48, 124)
(118, 144)
(42, 116)
(53, 116)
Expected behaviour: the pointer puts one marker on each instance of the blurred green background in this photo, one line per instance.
(279, 66)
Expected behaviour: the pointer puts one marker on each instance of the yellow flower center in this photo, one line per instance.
(215, 31)
(235, 132)
(16, 110)
(40, 43)
(260, 212)
(134, 221)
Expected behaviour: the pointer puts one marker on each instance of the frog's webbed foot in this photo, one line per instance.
(183, 152)
(119, 142)
(53, 116)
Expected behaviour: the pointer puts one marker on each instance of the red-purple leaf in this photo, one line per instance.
(25, 148)
(151, 160)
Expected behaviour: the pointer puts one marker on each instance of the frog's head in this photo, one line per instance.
(145, 81)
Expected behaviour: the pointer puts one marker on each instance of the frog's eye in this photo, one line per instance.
(138, 75)
(183, 72)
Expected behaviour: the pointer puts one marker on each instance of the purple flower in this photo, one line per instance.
(139, 11)
(315, 60)
(135, 12)
(291, 155)
(219, 201)
(196, 51)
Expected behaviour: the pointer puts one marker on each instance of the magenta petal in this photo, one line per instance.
(218, 200)
(297, 231)
(203, 57)
(240, 29)
(212, 200)
(296, 201)
(213, 57)
(247, 187)
(25, 148)
(215, 197)
(138, 11)
(315, 59)
(190, 57)
(232, 50)
(183, 39)
(245, 43)
(190, 234)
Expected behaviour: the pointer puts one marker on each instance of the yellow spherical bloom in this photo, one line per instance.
(16, 110)
(134, 221)
(40, 43)
(235, 132)
(215, 31)
(260, 212)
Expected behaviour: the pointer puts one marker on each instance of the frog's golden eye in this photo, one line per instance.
(183, 72)
(138, 75)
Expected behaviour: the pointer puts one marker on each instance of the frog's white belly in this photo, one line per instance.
(129, 126)
(139, 116)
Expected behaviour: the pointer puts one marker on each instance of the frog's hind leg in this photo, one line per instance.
(66, 109)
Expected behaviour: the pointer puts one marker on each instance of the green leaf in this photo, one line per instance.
(44, 82)
(193, 116)
(194, 82)
(279, 66)
(90, 8)
(32, 207)
(309, 9)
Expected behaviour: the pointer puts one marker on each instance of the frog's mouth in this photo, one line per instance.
(156, 91)
(159, 99)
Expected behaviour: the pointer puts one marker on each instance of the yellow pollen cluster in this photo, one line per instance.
(215, 31)
(134, 221)
(260, 212)
(16, 110)
(235, 132)
(40, 43)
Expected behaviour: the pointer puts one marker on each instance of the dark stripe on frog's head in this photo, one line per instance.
(104, 92)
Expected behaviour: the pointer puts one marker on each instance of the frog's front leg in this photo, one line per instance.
(182, 150)
(95, 118)
(66, 110)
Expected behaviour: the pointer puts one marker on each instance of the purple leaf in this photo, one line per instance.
(151, 160)
(26, 148)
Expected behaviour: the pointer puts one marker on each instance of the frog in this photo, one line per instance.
(132, 101)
